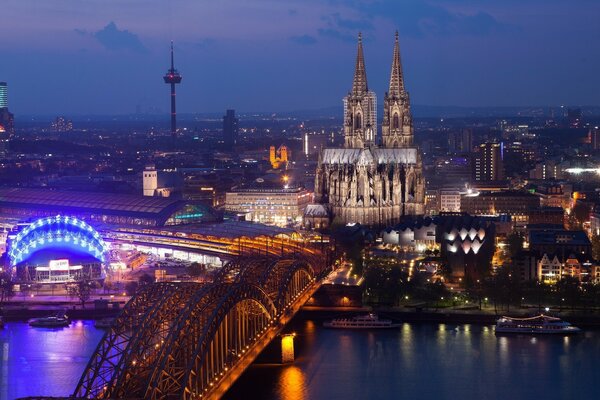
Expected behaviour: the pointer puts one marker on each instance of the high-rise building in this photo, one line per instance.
(7, 119)
(489, 165)
(305, 144)
(461, 141)
(230, 128)
(172, 78)
(365, 183)
(3, 95)
(594, 137)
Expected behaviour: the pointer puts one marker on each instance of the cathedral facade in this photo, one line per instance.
(368, 181)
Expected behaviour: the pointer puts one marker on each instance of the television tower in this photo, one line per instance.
(172, 77)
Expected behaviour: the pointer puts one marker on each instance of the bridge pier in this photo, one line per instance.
(287, 348)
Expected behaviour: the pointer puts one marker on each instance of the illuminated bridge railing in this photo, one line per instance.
(190, 340)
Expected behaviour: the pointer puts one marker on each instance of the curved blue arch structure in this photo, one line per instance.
(59, 231)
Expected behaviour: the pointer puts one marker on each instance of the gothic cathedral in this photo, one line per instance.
(366, 182)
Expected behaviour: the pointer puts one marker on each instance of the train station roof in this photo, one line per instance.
(231, 229)
(65, 202)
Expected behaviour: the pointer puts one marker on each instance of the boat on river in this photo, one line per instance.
(369, 321)
(59, 320)
(540, 324)
(104, 323)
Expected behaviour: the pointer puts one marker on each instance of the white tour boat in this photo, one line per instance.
(55, 321)
(541, 324)
(369, 321)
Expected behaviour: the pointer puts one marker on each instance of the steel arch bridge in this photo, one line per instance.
(191, 340)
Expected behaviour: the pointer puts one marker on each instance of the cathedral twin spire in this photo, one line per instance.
(396, 78)
(397, 122)
(359, 85)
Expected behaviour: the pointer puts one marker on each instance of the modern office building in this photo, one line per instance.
(7, 119)
(594, 137)
(230, 128)
(3, 95)
(489, 164)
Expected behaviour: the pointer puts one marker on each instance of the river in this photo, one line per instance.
(417, 361)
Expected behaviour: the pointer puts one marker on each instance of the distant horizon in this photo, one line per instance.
(330, 111)
(108, 58)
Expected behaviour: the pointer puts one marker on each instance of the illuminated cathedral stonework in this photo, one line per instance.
(363, 182)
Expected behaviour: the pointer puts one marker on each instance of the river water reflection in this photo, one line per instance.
(417, 361)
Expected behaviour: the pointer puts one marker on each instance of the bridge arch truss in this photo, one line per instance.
(179, 340)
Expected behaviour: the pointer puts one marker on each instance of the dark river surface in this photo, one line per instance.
(416, 361)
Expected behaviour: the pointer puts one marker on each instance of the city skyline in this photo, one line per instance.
(459, 53)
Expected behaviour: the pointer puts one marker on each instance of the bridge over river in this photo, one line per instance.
(190, 340)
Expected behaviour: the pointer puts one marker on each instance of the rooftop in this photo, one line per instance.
(231, 229)
(556, 237)
(87, 201)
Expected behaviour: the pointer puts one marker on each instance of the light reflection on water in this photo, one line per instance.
(421, 361)
(40, 361)
(429, 361)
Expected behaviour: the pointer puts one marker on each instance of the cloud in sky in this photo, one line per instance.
(415, 18)
(113, 38)
(303, 39)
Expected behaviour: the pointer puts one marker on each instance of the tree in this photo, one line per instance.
(6, 287)
(581, 213)
(82, 289)
(568, 289)
(445, 271)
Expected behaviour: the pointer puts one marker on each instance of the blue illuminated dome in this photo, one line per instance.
(62, 232)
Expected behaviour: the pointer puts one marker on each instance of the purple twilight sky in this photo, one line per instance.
(108, 56)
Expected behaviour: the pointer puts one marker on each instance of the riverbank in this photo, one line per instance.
(447, 316)
(26, 313)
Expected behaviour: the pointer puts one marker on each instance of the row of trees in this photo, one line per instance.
(387, 283)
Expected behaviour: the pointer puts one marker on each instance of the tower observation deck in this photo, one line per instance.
(172, 77)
